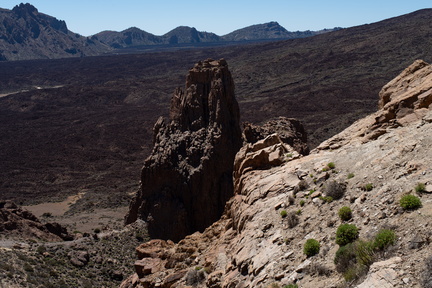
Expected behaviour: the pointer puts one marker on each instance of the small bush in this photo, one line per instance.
(346, 233)
(41, 249)
(97, 230)
(410, 202)
(302, 203)
(331, 165)
(420, 187)
(384, 238)
(290, 286)
(311, 247)
(350, 175)
(327, 199)
(345, 213)
(283, 213)
(345, 257)
(335, 189)
(47, 214)
(292, 219)
(368, 187)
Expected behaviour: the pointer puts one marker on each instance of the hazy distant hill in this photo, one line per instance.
(185, 35)
(271, 30)
(27, 34)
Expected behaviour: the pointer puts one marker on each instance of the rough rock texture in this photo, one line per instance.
(16, 222)
(253, 246)
(187, 180)
(290, 131)
(25, 33)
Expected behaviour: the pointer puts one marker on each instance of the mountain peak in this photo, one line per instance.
(22, 9)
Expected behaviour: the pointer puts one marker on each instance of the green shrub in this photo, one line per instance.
(350, 175)
(290, 286)
(345, 213)
(384, 238)
(311, 247)
(335, 189)
(331, 165)
(327, 199)
(283, 213)
(368, 187)
(302, 203)
(345, 257)
(354, 259)
(346, 233)
(410, 202)
(420, 187)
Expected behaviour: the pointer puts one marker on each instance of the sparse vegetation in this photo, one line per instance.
(384, 238)
(350, 175)
(327, 199)
(290, 286)
(368, 187)
(331, 165)
(335, 189)
(420, 187)
(292, 219)
(410, 202)
(346, 233)
(283, 213)
(345, 213)
(311, 247)
(302, 203)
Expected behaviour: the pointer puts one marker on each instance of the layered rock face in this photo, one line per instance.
(253, 245)
(187, 179)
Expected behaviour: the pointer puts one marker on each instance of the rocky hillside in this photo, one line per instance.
(270, 30)
(379, 168)
(189, 35)
(27, 34)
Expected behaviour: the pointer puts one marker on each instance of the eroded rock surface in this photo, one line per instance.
(253, 245)
(187, 179)
(289, 130)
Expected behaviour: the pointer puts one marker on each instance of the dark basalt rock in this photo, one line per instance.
(187, 179)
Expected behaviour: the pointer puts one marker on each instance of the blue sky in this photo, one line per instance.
(88, 17)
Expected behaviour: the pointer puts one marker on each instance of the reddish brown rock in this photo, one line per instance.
(187, 179)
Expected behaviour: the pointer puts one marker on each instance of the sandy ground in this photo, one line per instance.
(102, 219)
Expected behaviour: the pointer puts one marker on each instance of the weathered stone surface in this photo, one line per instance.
(290, 131)
(187, 179)
(382, 274)
(253, 246)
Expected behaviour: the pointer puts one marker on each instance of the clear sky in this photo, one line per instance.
(88, 17)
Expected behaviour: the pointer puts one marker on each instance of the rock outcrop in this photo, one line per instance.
(187, 179)
(17, 222)
(289, 130)
(255, 245)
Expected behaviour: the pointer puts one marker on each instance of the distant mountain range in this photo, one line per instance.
(25, 33)
(183, 34)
